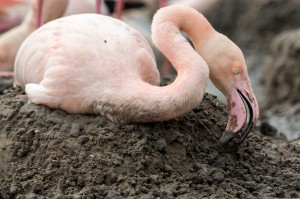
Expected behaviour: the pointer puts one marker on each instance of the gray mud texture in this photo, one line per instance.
(52, 154)
(47, 153)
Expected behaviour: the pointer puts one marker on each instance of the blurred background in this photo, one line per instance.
(267, 31)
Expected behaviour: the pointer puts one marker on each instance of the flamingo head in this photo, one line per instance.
(242, 105)
(228, 72)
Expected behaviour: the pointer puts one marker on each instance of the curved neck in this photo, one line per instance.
(150, 103)
(169, 21)
(188, 89)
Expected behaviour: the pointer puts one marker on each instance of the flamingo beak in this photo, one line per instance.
(243, 113)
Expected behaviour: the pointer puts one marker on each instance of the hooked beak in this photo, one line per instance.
(243, 113)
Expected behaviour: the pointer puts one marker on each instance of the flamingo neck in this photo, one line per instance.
(188, 89)
(143, 102)
(180, 18)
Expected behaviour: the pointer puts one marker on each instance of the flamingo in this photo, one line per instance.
(95, 64)
(6, 3)
(7, 22)
(52, 9)
(11, 40)
(11, 13)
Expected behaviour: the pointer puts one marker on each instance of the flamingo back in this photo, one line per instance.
(69, 60)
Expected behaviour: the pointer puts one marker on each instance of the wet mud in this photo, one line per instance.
(49, 153)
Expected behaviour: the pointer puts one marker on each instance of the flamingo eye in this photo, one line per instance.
(236, 71)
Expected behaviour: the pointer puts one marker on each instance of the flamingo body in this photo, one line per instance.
(95, 64)
(62, 64)
(11, 40)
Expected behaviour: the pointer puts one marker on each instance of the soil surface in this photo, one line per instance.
(49, 153)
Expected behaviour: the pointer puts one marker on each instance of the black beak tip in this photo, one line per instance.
(226, 137)
(235, 138)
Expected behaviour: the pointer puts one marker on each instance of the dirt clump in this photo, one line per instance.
(45, 152)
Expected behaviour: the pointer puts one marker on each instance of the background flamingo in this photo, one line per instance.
(5, 3)
(103, 66)
(46, 10)
(12, 13)
(51, 9)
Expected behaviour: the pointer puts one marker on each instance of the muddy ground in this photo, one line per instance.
(47, 153)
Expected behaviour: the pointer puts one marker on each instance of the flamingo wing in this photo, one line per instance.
(67, 61)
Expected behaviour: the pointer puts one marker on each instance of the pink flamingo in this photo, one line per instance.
(6, 3)
(42, 11)
(52, 9)
(103, 66)
(6, 23)
(11, 40)
(11, 13)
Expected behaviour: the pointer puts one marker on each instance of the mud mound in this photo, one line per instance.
(46, 152)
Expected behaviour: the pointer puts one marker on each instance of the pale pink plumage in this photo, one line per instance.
(12, 13)
(101, 65)
(95, 64)
(11, 40)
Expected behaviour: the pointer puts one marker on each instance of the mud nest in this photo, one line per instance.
(45, 152)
